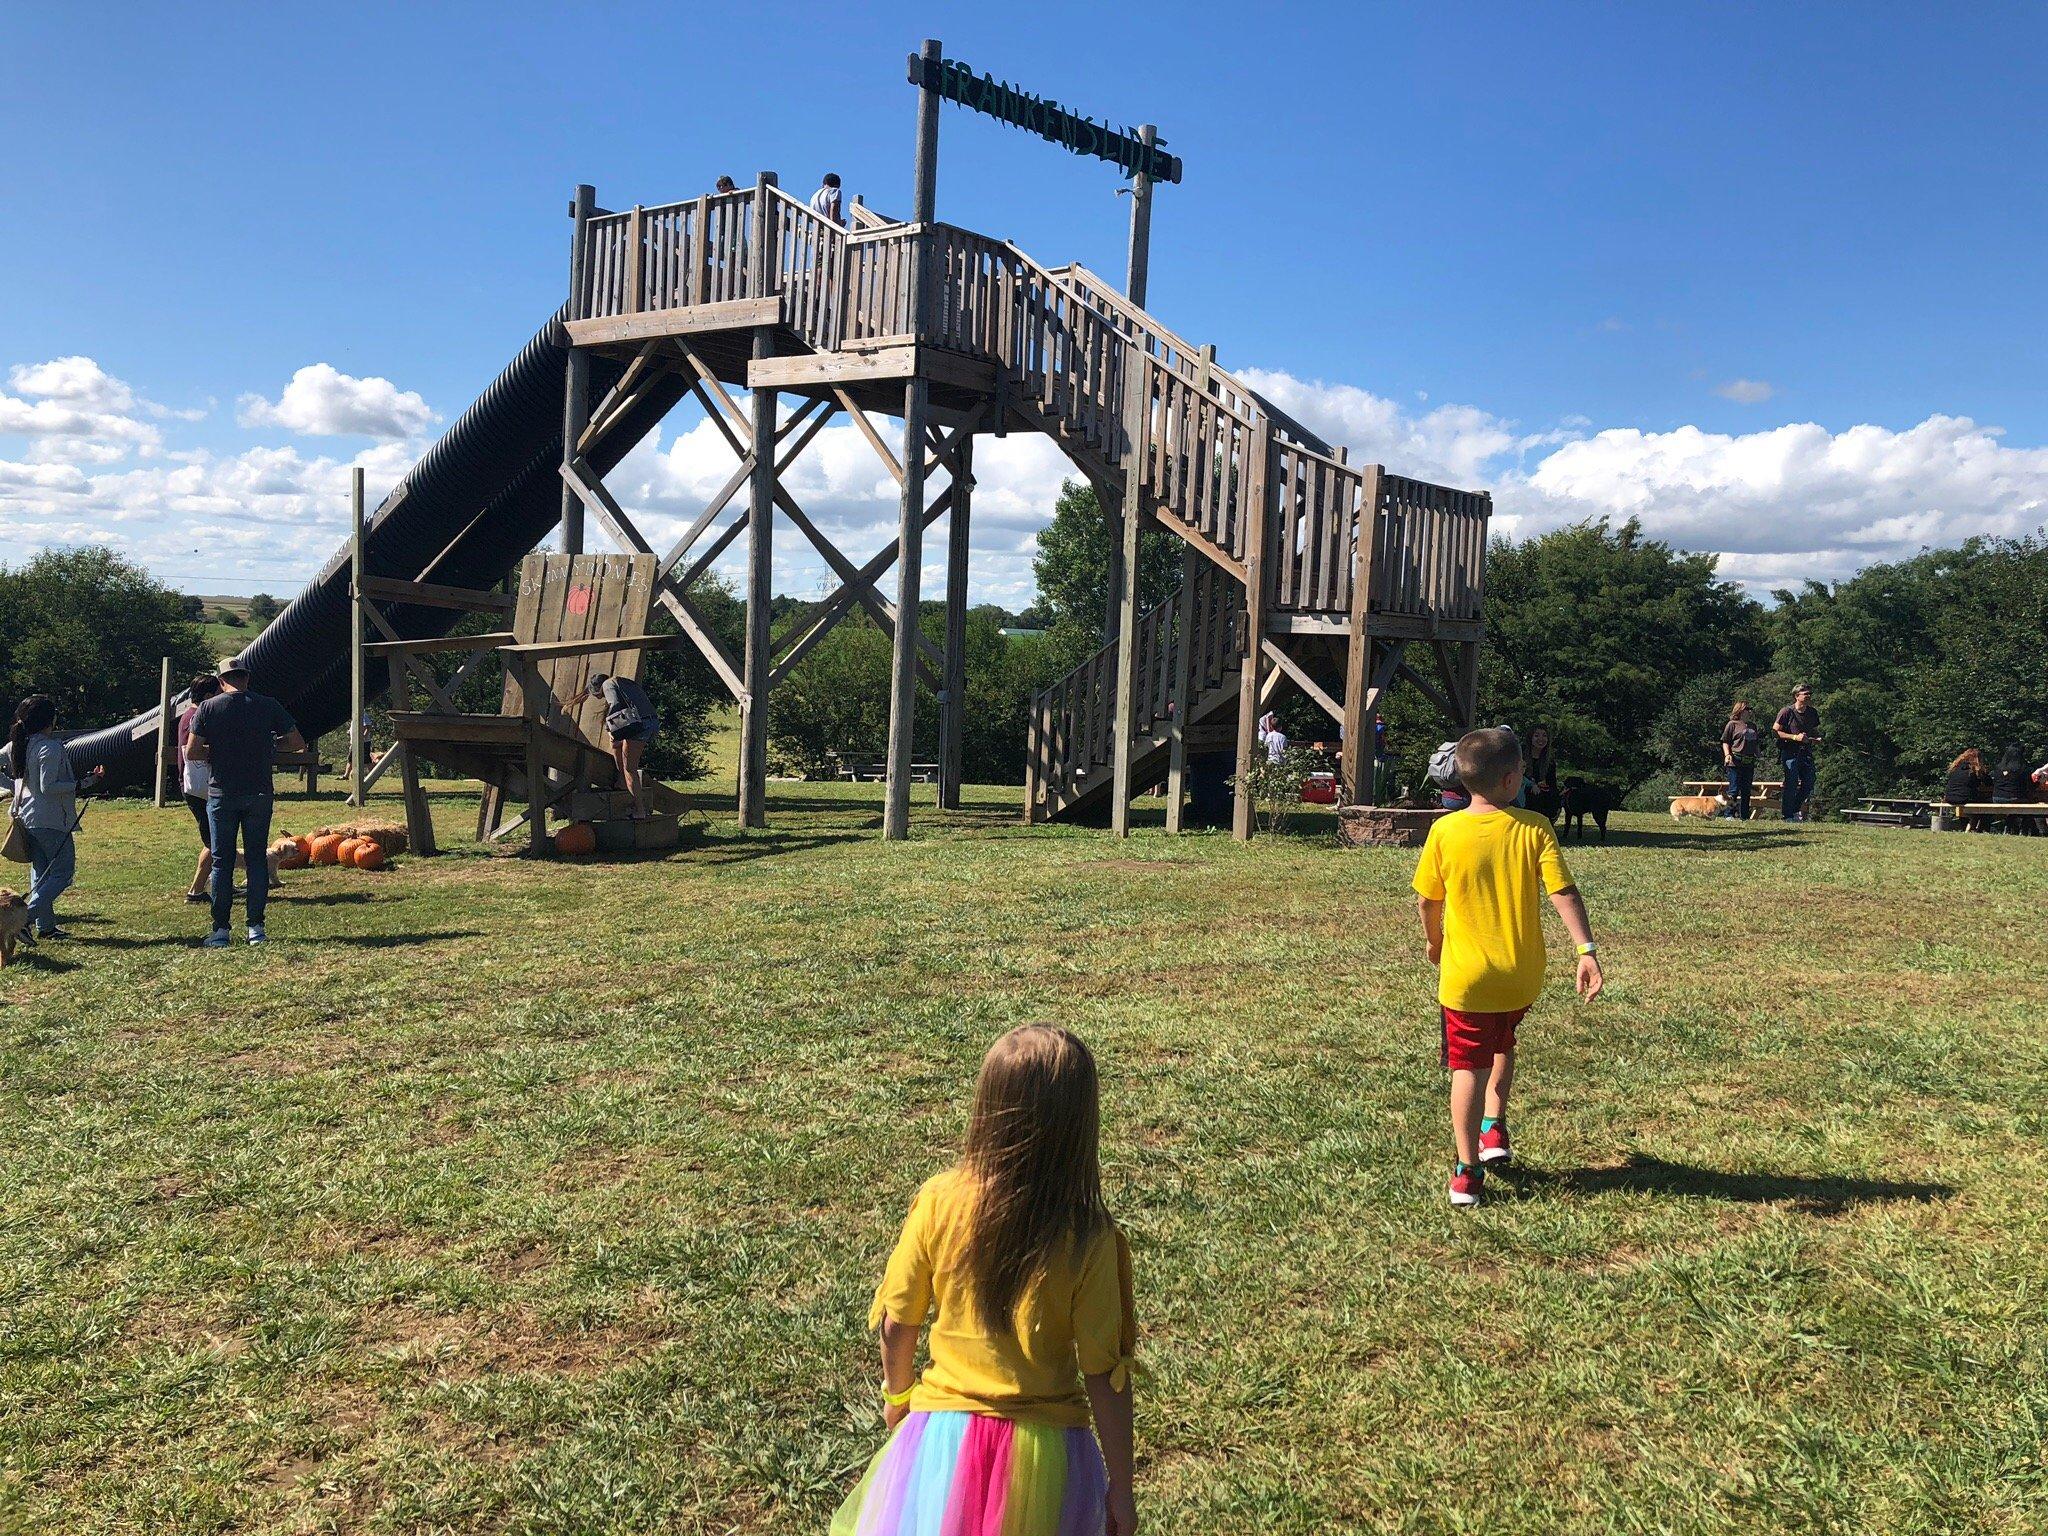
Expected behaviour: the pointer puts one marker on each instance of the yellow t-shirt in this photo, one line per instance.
(1485, 869)
(1076, 1317)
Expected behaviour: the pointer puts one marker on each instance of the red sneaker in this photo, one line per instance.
(1493, 1145)
(1467, 1185)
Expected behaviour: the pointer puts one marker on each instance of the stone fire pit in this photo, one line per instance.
(1385, 826)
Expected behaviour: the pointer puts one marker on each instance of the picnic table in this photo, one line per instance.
(1892, 811)
(2030, 816)
(872, 770)
(1761, 793)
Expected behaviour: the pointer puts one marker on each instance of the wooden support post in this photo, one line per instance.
(1355, 762)
(1140, 267)
(909, 563)
(531, 692)
(166, 734)
(1137, 394)
(916, 418)
(924, 197)
(1249, 692)
(358, 748)
(759, 655)
(953, 679)
(1185, 643)
(576, 394)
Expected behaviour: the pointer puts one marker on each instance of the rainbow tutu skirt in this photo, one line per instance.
(969, 1474)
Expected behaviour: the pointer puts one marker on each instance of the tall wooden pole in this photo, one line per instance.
(916, 414)
(358, 749)
(1253, 667)
(953, 697)
(166, 733)
(1357, 757)
(753, 786)
(576, 396)
(1140, 268)
(1137, 408)
(1187, 633)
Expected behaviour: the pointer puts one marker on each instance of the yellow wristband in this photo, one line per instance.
(897, 1399)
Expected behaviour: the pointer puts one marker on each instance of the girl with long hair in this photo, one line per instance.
(1026, 1282)
(1968, 779)
(46, 804)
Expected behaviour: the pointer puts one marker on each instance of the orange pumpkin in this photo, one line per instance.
(305, 848)
(369, 853)
(576, 838)
(326, 849)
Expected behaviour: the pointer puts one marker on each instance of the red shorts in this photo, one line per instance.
(1472, 1040)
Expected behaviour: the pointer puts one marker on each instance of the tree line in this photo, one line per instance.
(1629, 650)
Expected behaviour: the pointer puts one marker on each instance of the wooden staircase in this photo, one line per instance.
(1299, 556)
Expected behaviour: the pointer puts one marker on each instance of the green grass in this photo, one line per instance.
(514, 1197)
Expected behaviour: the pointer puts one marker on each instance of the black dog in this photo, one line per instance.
(1581, 800)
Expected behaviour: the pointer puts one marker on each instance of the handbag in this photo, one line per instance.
(14, 847)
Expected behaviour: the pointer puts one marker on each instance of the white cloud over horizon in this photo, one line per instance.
(1779, 505)
(322, 401)
(1745, 391)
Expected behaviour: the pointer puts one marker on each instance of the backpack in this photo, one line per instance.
(1443, 766)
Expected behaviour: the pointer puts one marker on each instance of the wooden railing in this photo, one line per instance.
(1072, 725)
(1072, 349)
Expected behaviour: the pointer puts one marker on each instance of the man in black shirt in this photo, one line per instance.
(1798, 731)
(236, 733)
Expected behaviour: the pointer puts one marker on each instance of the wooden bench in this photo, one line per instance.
(2031, 815)
(574, 615)
(1892, 811)
(873, 770)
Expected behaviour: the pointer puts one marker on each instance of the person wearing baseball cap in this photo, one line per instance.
(236, 734)
(1798, 731)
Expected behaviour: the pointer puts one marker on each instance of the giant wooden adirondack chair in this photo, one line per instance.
(574, 615)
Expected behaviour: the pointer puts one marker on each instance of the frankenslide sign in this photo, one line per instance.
(957, 82)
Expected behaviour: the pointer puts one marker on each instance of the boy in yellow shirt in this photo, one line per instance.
(1477, 888)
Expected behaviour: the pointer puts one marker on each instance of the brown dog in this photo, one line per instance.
(14, 924)
(1694, 805)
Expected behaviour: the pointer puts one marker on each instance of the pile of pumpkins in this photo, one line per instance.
(349, 847)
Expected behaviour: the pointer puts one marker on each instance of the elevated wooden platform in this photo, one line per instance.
(1342, 580)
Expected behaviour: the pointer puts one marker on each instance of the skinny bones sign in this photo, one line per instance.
(957, 82)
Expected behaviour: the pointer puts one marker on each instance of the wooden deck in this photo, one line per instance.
(1332, 572)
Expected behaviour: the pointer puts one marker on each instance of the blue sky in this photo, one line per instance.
(1500, 239)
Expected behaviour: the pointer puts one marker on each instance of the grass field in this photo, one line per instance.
(495, 1196)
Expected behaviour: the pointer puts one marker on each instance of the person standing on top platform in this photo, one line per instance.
(236, 733)
(826, 201)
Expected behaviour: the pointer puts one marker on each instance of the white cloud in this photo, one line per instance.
(1745, 391)
(1779, 505)
(321, 401)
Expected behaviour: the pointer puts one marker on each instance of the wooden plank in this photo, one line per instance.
(688, 320)
(1256, 538)
(422, 594)
(1356, 757)
(429, 644)
(484, 730)
(1305, 680)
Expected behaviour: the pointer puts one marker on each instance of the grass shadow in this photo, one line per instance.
(36, 959)
(397, 940)
(1735, 840)
(1813, 1194)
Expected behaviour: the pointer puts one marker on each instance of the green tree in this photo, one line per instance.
(91, 630)
(1589, 630)
(263, 607)
(1072, 568)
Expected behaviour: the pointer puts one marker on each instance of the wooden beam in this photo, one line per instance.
(953, 685)
(1428, 690)
(1186, 618)
(423, 594)
(867, 428)
(579, 475)
(1125, 570)
(818, 623)
(1257, 481)
(1355, 760)
(1307, 682)
(429, 644)
(741, 434)
(683, 320)
(928, 656)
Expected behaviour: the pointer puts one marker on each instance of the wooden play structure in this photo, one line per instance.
(1300, 568)
(546, 749)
